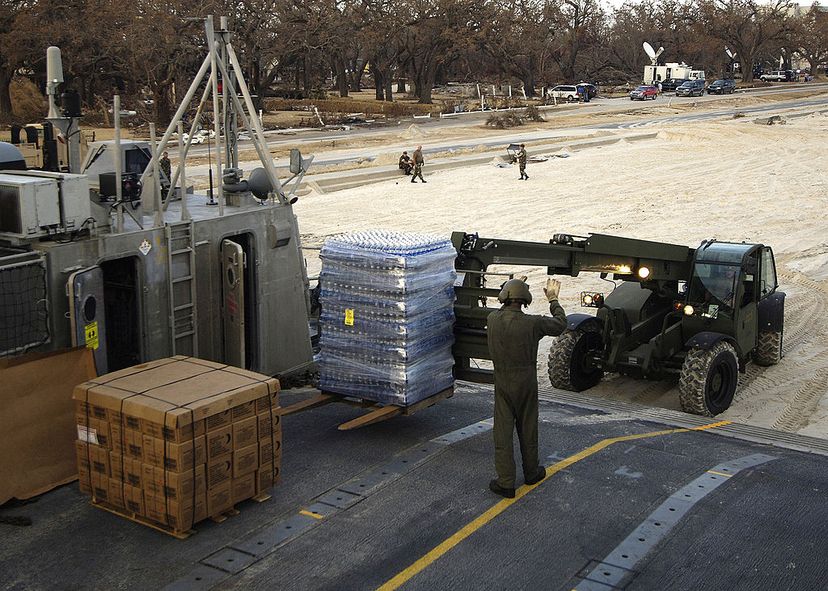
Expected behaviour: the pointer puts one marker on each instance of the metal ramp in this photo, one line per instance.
(181, 254)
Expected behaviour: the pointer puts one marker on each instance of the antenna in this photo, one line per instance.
(652, 53)
(54, 77)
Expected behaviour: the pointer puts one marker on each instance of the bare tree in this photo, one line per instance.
(810, 37)
(748, 27)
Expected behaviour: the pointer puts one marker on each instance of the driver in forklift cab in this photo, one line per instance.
(720, 287)
(513, 343)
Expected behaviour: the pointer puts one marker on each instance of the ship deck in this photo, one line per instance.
(634, 499)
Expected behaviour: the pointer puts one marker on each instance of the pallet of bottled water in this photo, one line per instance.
(387, 316)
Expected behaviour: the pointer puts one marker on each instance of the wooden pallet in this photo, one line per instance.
(140, 519)
(377, 413)
(177, 534)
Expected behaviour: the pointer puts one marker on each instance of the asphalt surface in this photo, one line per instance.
(760, 529)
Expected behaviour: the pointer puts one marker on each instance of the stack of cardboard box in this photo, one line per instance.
(177, 440)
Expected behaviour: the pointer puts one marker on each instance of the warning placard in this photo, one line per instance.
(349, 317)
(91, 335)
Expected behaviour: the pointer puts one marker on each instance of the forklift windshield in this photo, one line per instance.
(714, 285)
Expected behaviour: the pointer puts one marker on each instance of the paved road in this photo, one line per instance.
(718, 109)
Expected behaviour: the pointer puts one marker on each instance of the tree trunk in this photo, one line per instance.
(5, 93)
(389, 90)
(341, 76)
(379, 83)
(424, 88)
(401, 85)
(306, 84)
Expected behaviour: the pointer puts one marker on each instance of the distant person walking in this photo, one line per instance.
(521, 158)
(418, 164)
(166, 172)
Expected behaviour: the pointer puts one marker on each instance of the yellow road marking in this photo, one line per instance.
(435, 553)
(719, 473)
(311, 514)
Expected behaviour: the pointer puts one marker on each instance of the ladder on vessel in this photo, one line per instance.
(182, 288)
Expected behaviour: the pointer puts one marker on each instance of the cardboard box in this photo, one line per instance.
(175, 457)
(245, 432)
(219, 442)
(174, 435)
(175, 515)
(134, 500)
(245, 460)
(175, 392)
(219, 499)
(270, 450)
(219, 420)
(129, 443)
(93, 430)
(244, 487)
(91, 411)
(244, 411)
(93, 457)
(174, 486)
(270, 423)
(125, 469)
(266, 403)
(219, 470)
(267, 476)
(91, 481)
(116, 493)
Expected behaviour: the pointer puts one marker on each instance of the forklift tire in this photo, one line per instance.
(568, 367)
(769, 348)
(708, 379)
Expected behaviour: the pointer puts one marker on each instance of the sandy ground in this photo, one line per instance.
(733, 180)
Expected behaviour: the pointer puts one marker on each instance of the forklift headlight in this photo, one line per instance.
(591, 299)
(688, 310)
(643, 272)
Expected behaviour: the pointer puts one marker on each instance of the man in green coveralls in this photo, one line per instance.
(513, 344)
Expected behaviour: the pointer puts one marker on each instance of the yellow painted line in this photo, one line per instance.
(467, 530)
(719, 473)
(311, 514)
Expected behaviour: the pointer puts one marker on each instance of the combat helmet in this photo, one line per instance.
(515, 290)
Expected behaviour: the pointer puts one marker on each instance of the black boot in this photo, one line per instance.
(509, 493)
(540, 475)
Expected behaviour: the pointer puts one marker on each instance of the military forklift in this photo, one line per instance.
(700, 314)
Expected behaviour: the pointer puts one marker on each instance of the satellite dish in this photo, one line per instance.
(652, 53)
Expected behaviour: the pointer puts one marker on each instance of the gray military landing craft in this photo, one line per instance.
(150, 268)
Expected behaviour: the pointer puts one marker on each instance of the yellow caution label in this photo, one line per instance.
(91, 335)
(349, 317)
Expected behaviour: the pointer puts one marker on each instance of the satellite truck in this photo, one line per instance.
(700, 314)
(135, 270)
(656, 72)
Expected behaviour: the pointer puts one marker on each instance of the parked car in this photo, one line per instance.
(774, 76)
(671, 84)
(691, 88)
(564, 92)
(643, 92)
(722, 87)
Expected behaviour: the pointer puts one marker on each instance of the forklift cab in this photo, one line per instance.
(731, 292)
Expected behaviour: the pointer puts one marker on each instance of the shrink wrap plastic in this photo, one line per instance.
(387, 316)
